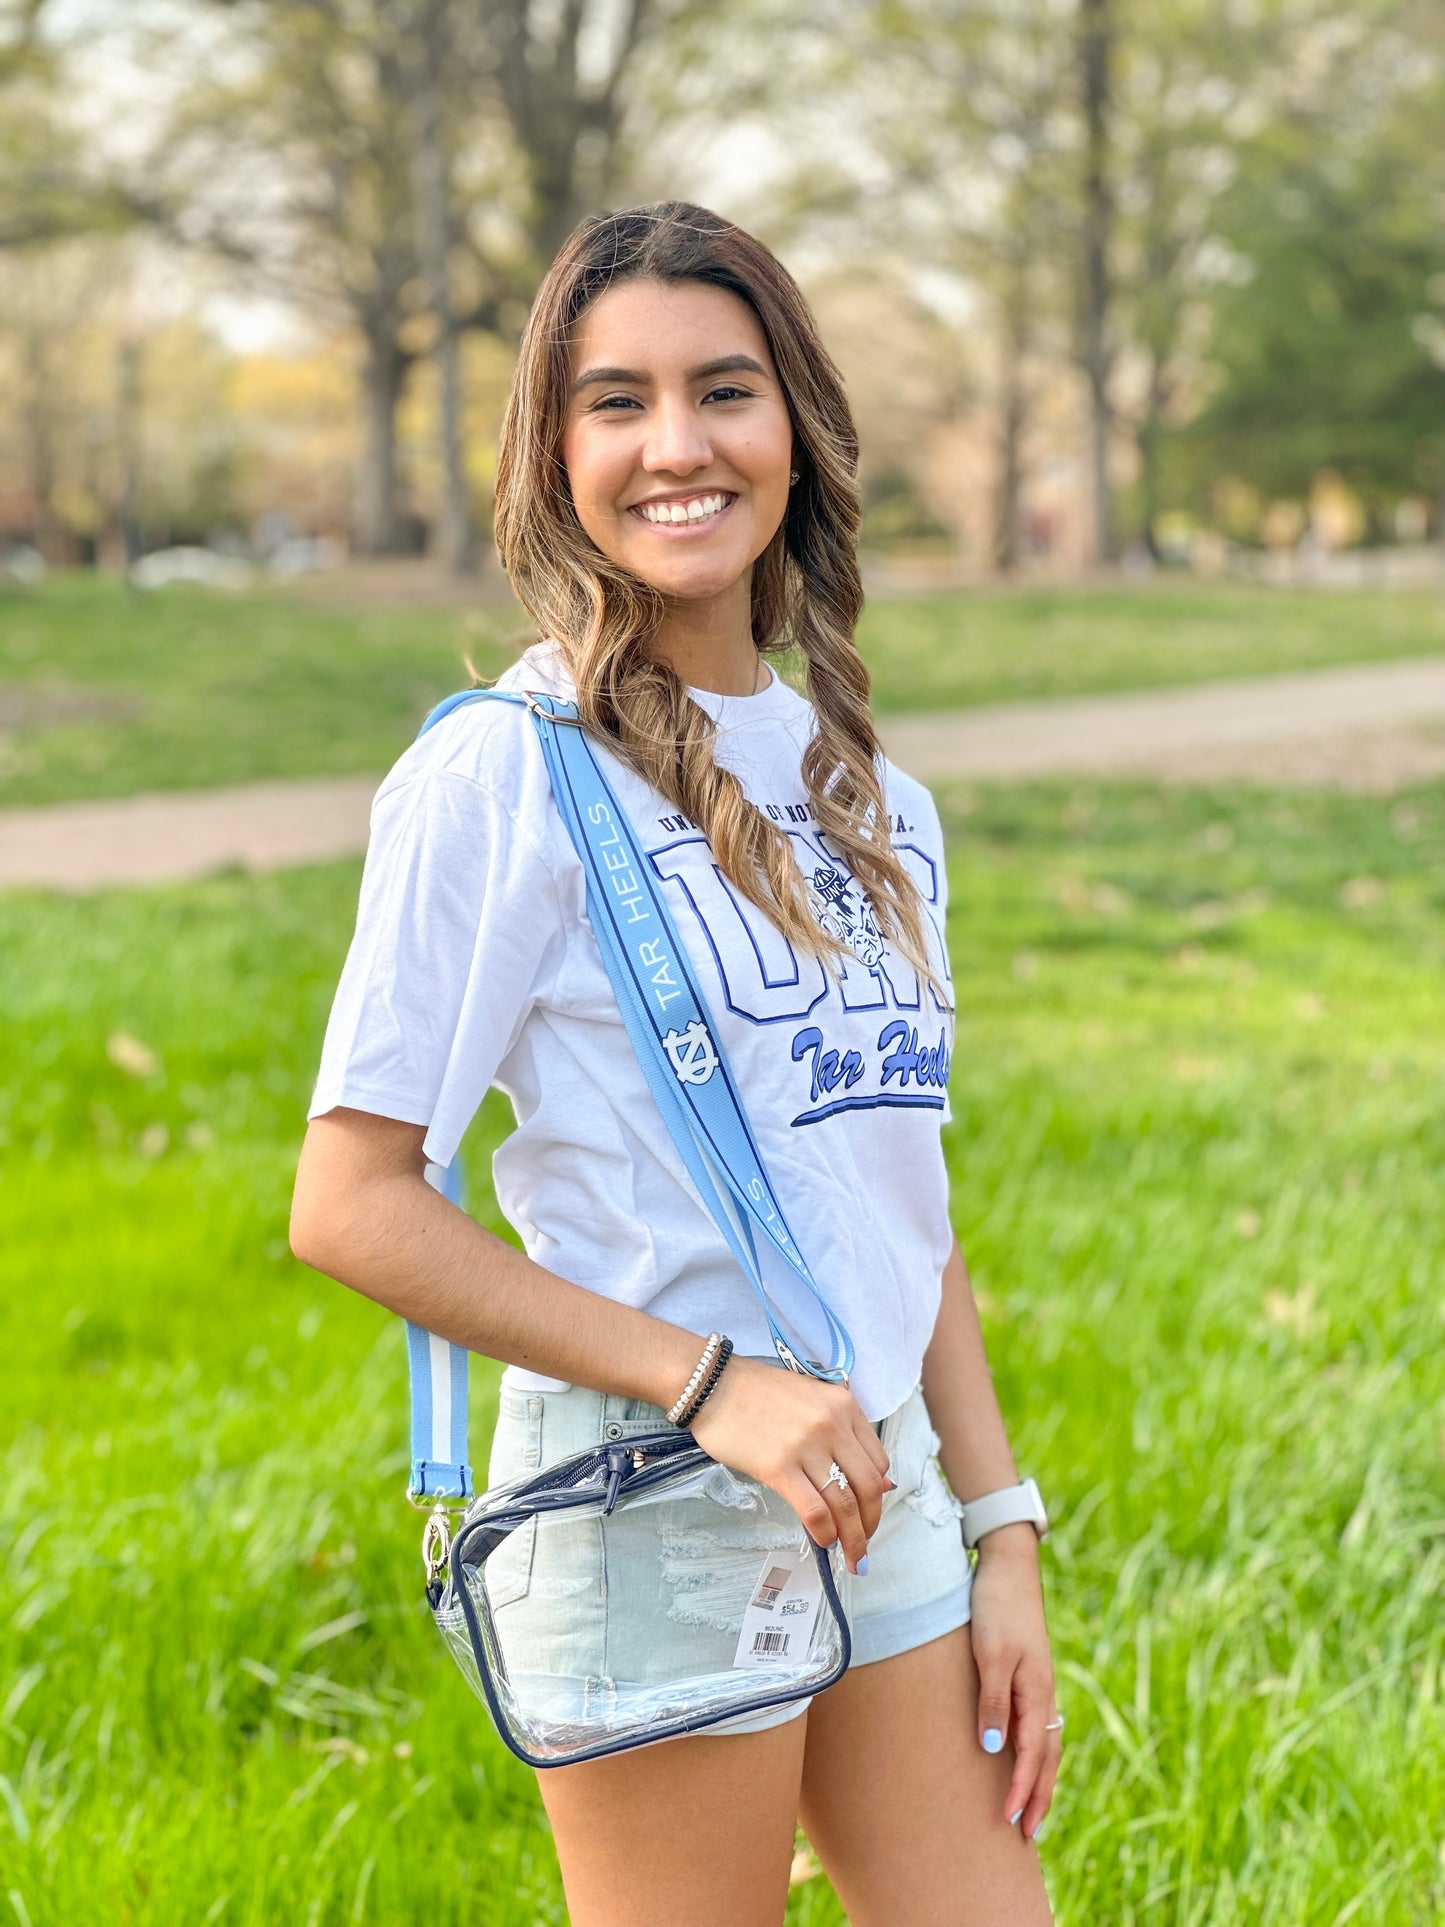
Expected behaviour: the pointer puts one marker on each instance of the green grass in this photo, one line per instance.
(192, 687)
(945, 651)
(1199, 1132)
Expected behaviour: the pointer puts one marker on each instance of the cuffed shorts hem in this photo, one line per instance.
(887, 1634)
(883, 1637)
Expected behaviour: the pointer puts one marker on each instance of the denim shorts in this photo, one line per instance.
(919, 1578)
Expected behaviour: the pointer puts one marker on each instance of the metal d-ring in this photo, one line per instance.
(549, 715)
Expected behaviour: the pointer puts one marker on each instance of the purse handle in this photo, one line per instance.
(681, 1057)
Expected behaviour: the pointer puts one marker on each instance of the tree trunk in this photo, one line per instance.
(40, 448)
(456, 532)
(1150, 430)
(377, 529)
(127, 438)
(1014, 399)
(1096, 31)
(1010, 480)
(1149, 486)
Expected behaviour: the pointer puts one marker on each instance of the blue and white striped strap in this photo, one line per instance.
(439, 1468)
(681, 1057)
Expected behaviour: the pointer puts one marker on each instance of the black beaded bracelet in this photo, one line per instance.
(725, 1352)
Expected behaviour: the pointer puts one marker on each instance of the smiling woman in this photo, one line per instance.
(677, 496)
(670, 360)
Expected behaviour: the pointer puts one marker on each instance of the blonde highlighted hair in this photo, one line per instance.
(806, 589)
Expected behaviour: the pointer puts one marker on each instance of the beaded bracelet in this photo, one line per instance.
(700, 1371)
(725, 1352)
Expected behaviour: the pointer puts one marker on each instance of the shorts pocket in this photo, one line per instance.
(516, 1451)
(920, 1478)
(509, 1570)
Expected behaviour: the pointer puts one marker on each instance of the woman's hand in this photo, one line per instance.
(784, 1429)
(1015, 1667)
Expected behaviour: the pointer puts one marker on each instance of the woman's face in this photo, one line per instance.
(675, 403)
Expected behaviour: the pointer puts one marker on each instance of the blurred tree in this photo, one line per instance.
(1328, 343)
(1096, 37)
(1066, 160)
(565, 77)
(980, 164)
(539, 72)
(971, 111)
(410, 166)
(47, 193)
(289, 154)
(49, 197)
(430, 40)
(1194, 81)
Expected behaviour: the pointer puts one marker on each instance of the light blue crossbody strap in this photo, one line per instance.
(683, 1062)
(438, 1370)
(662, 1005)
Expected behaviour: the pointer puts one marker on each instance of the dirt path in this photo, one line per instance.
(169, 836)
(1371, 729)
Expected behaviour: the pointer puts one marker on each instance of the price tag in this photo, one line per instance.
(782, 1610)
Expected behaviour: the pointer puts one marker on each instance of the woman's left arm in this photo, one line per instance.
(1010, 1640)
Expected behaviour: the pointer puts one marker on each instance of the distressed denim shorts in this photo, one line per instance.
(919, 1577)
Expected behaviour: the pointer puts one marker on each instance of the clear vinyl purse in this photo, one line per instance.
(565, 1674)
(641, 1589)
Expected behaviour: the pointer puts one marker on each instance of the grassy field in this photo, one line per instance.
(103, 692)
(1199, 1132)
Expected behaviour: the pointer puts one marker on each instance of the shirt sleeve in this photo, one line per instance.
(457, 923)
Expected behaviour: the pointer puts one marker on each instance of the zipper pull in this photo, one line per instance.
(617, 1457)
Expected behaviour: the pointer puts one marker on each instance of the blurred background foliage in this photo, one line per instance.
(1106, 279)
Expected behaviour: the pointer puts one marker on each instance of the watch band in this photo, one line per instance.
(1012, 1504)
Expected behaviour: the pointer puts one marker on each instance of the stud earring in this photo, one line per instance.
(792, 475)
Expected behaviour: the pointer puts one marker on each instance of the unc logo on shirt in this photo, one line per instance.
(764, 978)
(692, 1054)
(845, 913)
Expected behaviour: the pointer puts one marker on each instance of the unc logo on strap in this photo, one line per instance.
(693, 1057)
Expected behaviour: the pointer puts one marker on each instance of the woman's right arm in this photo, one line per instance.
(363, 1213)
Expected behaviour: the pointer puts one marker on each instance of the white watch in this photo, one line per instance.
(1004, 1508)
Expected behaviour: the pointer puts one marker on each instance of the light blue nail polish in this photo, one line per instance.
(1014, 1818)
(1039, 1829)
(862, 1567)
(992, 1740)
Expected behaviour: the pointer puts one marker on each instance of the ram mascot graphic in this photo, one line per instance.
(845, 913)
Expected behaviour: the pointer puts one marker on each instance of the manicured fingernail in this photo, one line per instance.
(992, 1740)
(862, 1567)
(1014, 1818)
(1038, 1830)
(890, 1485)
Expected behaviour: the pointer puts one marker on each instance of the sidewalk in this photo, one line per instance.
(171, 836)
(1371, 729)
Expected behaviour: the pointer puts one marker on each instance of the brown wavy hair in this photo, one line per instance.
(806, 588)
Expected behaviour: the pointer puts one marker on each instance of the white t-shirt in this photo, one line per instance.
(473, 963)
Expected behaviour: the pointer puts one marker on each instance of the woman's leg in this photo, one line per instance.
(902, 1805)
(696, 1831)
